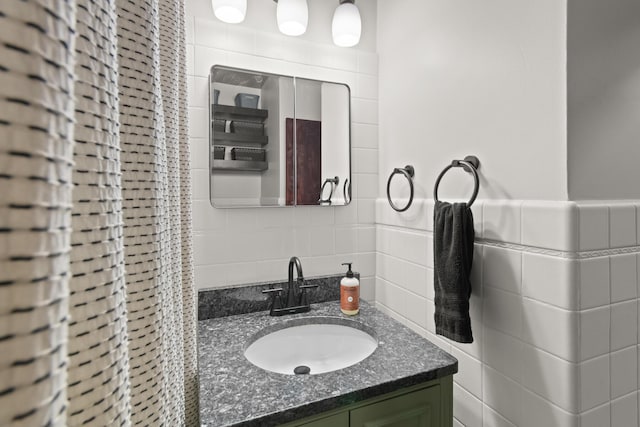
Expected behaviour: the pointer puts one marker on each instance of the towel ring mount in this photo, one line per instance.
(408, 172)
(468, 164)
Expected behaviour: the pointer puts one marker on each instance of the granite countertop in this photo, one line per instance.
(233, 392)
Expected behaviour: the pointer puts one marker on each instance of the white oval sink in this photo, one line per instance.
(326, 345)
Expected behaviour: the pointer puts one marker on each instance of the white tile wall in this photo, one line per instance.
(555, 324)
(234, 246)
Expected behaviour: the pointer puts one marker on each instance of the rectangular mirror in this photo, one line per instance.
(278, 140)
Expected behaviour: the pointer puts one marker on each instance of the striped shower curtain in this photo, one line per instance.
(97, 318)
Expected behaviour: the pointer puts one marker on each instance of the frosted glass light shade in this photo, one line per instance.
(347, 25)
(230, 11)
(293, 17)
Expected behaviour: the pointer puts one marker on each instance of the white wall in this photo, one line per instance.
(235, 246)
(604, 99)
(484, 78)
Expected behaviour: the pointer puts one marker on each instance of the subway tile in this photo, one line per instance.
(366, 87)
(198, 122)
(550, 279)
(549, 225)
(594, 332)
(550, 328)
(624, 411)
(594, 382)
(624, 324)
(594, 227)
(366, 186)
(367, 239)
(368, 63)
(624, 375)
(553, 378)
(502, 220)
(199, 92)
(391, 296)
(503, 395)
(469, 373)
(467, 408)
(322, 241)
(200, 184)
(321, 216)
(537, 412)
(623, 277)
(347, 215)
(189, 29)
(210, 33)
(365, 160)
(594, 282)
(502, 269)
(364, 111)
(366, 211)
(638, 224)
(597, 417)
(502, 311)
(491, 418)
(205, 217)
(346, 240)
(416, 309)
(205, 58)
(190, 67)
(240, 40)
(272, 46)
(622, 226)
(210, 276)
(366, 263)
(503, 353)
(364, 135)
(368, 289)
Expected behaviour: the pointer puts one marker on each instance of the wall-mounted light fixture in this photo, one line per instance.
(293, 18)
(230, 11)
(346, 26)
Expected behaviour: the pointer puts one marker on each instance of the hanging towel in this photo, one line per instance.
(453, 256)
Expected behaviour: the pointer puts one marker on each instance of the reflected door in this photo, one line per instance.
(309, 161)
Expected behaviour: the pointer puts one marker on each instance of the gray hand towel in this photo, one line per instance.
(453, 256)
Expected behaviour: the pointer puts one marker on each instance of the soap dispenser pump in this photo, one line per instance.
(349, 293)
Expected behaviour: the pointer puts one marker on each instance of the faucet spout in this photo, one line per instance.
(291, 290)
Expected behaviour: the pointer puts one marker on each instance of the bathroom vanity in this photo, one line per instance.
(407, 380)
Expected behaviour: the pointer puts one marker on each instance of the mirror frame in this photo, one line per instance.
(210, 139)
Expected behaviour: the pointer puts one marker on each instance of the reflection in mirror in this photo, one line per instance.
(278, 140)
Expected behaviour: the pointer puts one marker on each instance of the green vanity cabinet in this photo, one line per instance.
(425, 405)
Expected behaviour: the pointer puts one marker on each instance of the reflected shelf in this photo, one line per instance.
(239, 165)
(228, 139)
(231, 112)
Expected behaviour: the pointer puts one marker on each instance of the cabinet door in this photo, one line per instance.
(338, 420)
(418, 409)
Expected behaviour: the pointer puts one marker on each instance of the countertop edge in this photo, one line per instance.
(314, 408)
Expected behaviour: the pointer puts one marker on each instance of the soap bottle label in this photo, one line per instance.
(349, 298)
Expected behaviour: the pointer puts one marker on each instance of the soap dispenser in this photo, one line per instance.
(349, 293)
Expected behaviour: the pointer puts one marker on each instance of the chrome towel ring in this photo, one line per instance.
(408, 172)
(469, 164)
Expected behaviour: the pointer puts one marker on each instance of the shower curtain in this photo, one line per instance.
(97, 306)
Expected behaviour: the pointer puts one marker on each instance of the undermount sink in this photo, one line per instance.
(311, 345)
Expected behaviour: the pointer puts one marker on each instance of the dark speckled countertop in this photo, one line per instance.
(233, 392)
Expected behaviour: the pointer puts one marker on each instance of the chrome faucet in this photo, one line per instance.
(291, 288)
(296, 300)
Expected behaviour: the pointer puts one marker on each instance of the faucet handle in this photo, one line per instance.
(308, 286)
(271, 290)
